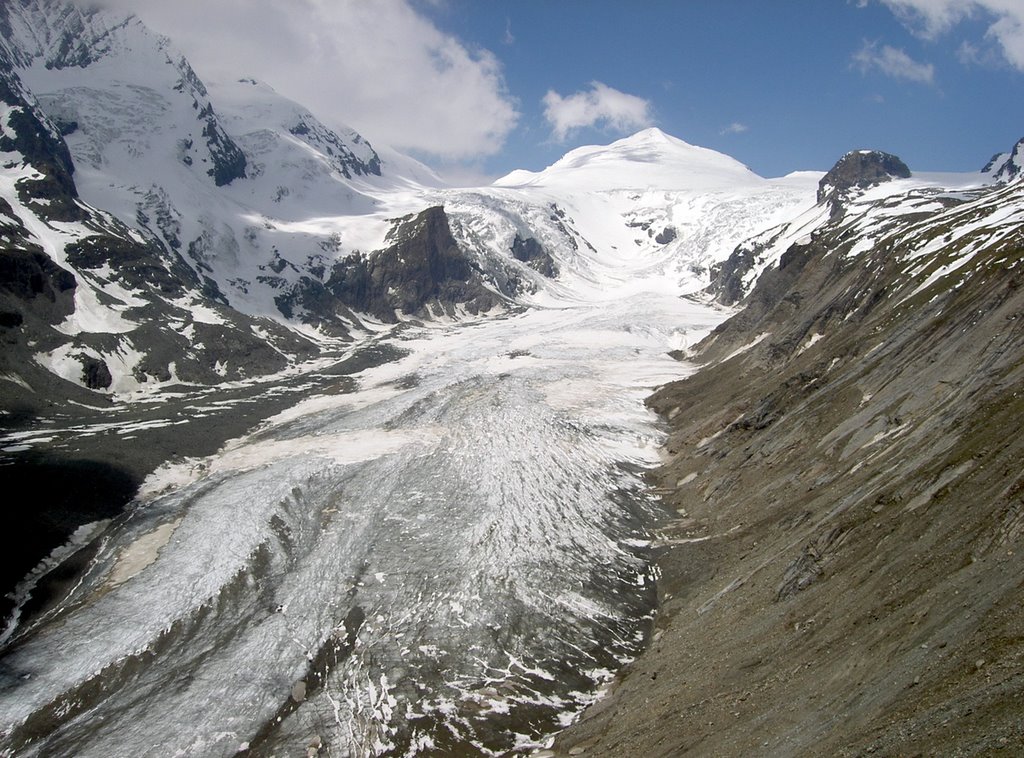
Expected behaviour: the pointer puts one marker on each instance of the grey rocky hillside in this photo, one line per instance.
(842, 572)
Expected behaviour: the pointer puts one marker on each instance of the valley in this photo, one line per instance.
(639, 454)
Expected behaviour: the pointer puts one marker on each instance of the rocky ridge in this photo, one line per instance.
(422, 273)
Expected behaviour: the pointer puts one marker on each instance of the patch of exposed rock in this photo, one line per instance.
(535, 255)
(1006, 167)
(422, 273)
(860, 169)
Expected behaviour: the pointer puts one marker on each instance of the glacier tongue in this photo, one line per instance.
(446, 558)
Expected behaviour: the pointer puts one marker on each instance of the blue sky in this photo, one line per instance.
(477, 88)
(778, 85)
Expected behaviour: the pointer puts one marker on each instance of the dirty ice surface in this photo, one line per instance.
(449, 559)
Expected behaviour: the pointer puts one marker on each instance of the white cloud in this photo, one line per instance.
(1008, 31)
(734, 128)
(893, 62)
(932, 18)
(601, 105)
(380, 67)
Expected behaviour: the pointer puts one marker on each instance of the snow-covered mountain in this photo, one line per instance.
(1006, 167)
(650, 159)
(271, 226)
(666, 209)
(184, 213)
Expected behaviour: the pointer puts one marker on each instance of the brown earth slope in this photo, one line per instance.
(844, 572)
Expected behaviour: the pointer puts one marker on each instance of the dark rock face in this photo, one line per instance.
(142, 267)
(50, 498)
(666, 235)
(727, 276)
(229, 161)
(310, 301)
(423, 271)
(860, 168)
(95, 374)
(344, 160)
(534, 255)
(41, 146)
(31, 282)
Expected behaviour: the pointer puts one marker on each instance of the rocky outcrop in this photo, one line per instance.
(860, 169)
(422, 273)
(1006, 167)
(533, 254)
(841, 565)
(666, 235)
(31, 135)
(229, 161)
(31, 281)
(728, 278)
(733, 278)
(328, 142)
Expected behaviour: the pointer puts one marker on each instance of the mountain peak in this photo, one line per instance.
(861, 168)
(649, 159)
(650, 134)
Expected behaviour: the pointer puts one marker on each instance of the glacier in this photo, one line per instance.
(453, 555)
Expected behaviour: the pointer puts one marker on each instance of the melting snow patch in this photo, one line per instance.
(16, 380)
(814, 339)
(750, 345)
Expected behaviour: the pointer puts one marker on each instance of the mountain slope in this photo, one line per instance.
(208, 260)
(843, 574)
(851, 435)
(89, 299)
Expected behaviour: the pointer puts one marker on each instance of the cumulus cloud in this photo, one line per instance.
(601, 105)
(932, 18)
(381, 67)
(734, 128)
(893, 62)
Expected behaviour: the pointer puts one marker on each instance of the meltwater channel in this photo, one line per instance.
(450, 560)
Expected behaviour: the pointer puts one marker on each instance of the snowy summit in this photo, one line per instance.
(649, 159)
